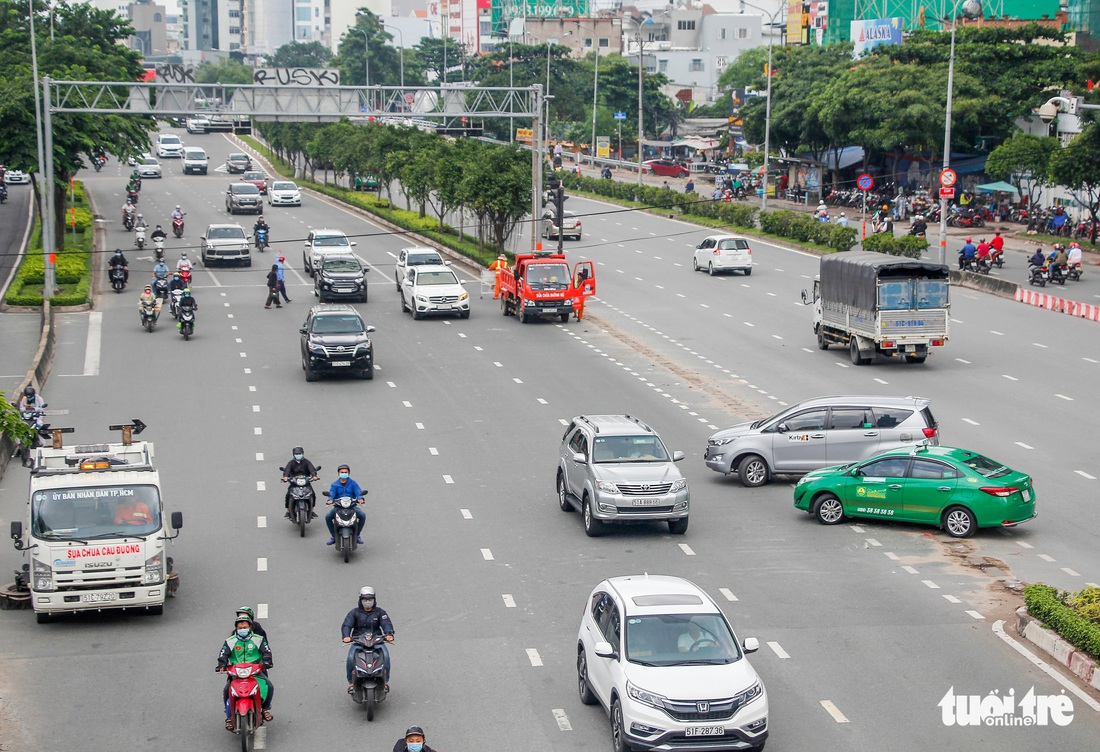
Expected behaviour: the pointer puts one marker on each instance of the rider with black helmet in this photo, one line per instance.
(31, 400)
(299, 465)
(412, 741)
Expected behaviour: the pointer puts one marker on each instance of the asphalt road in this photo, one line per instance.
(483, 575)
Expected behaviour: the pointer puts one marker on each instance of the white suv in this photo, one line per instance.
(320, 242)
(169, 145)
(658, 654)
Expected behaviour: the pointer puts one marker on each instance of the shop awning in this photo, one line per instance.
(999, 187)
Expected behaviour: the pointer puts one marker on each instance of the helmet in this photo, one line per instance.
(501, 257)
(885, 207)
(177, 207)
(148, 288)
(243, 617)
(28, 392)
(158, 227)
(366, 592)
(175, 275)
(968, 240)
(343, 467)
(244, 611)
(139, 215)
(187, 292)
(282, 257)
(182, 255)
(414, 730)
(118, 251)
(297, 450)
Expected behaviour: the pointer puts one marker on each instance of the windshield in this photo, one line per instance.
(341, 265)
(243, 188)
(769, 419)
(337, 325)
(985, 466)
(88, 513)
(645, 448)
(170, 140)
(423, 259)
(253, 176)
(195, 154)
(238, 157)
(680, 640)
(330, 240)
(283, 187)
(548, 276)
(437, 278)
(225, 233)
(149, 161)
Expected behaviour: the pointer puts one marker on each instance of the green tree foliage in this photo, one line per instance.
(351, 56)
(83, 48)
(223, 72)
(11, 422)
(1024, 161)
(300, 55)
(1077, 167)
(432, 55)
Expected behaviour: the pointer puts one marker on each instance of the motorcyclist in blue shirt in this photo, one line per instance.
(967, 254)
(341, 487)
(161, 270)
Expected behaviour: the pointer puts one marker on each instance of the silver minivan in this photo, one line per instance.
(818, 433)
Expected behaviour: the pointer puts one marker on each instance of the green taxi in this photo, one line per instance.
(954, 489)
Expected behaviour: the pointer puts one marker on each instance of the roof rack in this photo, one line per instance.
(595, 428)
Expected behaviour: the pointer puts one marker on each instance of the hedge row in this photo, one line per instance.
(1048, 606)
(906, 245)
(805, 229)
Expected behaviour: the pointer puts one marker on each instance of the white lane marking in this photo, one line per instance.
(998, 629)
(261, 738)
(406, 403)
(1039, 344)
(391, 385)
(965, 362)
(479, 349)
(559, 716)
(1091, 584)
(259, 456)
(728, 594)
(466, 514)
(563, 421)
(1025, 446)
(533, 656)
(910, 569)
(498, 365)
(892, 556)
(509, 601)
(1083, 474)
(518, 381)
(419, 426)
(433, 451)
(951, 599)
(486, 554)
(975, 615)
(238, 340)
(834, 711)
(91, 350)
(261, 485)
(778, 650)
(261, 564)
(1010, 378)
(856, 528)
(255, 408)
(873, 542)
(1046, 557)
(258, 431)
(448, 479)
(261, 521)
(229, 315)
(261, 610)
(994, 331)
(1024, 544)
(881, 381)
(542, 401)
(971, 422)
(931, 584)
(1070, 572)
(776, 336)
(247, 370)
(1090, 360)
(1062, 396)
(244, 355)
(252, 388)
(686, 549)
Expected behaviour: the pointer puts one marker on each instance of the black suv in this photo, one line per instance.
(340, 276)
(238, 162)
(243, 197)
(334, 340)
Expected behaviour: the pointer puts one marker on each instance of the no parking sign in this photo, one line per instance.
(865, 182)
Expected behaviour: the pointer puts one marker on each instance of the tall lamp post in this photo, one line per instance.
(971, 9)
(401, 50)
(366, 51)
(45, 181)
(768, 104)
(641, 79)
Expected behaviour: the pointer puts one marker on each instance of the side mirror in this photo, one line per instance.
(805, 297)
(604, 650)
(751, 644)
(782, 428)
(353, 244)
(177, 520)
(323, 493)
(577, 457)
(677, 456)
(369, 330)
(318, 468)
(282, 469)
(16, 529)
(302, 330)
(202, 237)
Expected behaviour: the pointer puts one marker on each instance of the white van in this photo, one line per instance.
(194, 161)
(169, 145)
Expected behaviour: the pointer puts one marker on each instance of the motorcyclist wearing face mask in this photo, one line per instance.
(341, 487)
(246, 611)
(245, 646)
(366, 619)
(413, 741)
(298, 465)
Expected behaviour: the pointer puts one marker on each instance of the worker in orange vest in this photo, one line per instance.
(499, 266)
(582, 284)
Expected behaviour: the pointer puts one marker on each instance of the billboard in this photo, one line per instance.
(873, 32)
(503, 11)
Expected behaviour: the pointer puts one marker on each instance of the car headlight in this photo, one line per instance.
(358, 280)
(803, 479)
(154, 569)
(606, 486)
(463, 296)
(421, 299)
(42, 576)
(679, 485)
(530, 303)
(752, 693)
(722, 442)
(646, 697)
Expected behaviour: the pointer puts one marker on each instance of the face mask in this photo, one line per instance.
(298, 456)
(414, 746)
(367, 603)
(243, 633)
(344, 476)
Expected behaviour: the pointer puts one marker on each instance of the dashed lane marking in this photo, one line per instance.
(406, 403)
(931, 584)
(448, 479)
(541, 401)
(261, 610)
(391, 385)
(486, 554)
(518, 381)
(1010, 378)
(873, 542)
(509, 601)
(856, 528)
(259, 456)
(534, 657)
(252, 388)
(248, 370)
(1083, 474)
(951, 599)
(971, 422)
(261, 521)
(466, 514)
(561, 718)
(686, 549)
(1070, 572)
(255, 408)
(834, 711)
(1062, 396)
(261, 564)
(778, 650)
(498, 364)
(1025, 446)
(1024, 544)
(964, 362)
(261, 485)
(419, 426)
(257, 430)
(975, 615)
(881, 381)
(1046, 557)
(433, 451)
(892, 556)
(910, 569)
(728, 594)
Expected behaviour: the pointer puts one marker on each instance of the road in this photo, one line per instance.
(483, 575)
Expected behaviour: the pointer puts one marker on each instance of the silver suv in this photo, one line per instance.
(615, 468)
(820, 432)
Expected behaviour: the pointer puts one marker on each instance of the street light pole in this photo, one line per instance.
(401, 50)
(641, 77)
(768, 101)
(595, 94)
(366, 53)
(45, 180)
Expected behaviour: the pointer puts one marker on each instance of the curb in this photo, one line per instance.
(1058, 305)
(1080, 664)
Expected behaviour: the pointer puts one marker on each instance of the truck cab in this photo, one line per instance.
(540, 285)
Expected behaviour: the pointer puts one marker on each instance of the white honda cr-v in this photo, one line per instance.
(661, 658)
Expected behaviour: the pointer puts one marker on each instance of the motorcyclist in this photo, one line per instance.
(345, 486)
(119, 260)
(176, 283)
(299, 465)
(967, 253)
(158, 234)
(605, 173)
(139, 223)
(1061, 258)
(184, 263)
(412, 741)
(161, 270)
(128, 211)
(983, 252)
(178, 213)
(148, 298)
(187, 301)
(366, 619)
(247, 611)
(261, 224)
(997, 244)
(1073, 257)
(920, 227)
(31, 400)
(1037, 260)
(245, 646)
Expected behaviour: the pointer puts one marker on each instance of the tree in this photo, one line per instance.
(354, 51)
(1077, 167)
(11, 423)
(83, 46)
(432, 54)
(223, 72)
(300, 55)
(1024, 161)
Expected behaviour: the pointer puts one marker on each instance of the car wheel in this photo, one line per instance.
(694, 264)
(563, 498)
(753, 471)
(748, 272)
(585, 691)
(464, 315)
(828, 509)
(416, 314)
(710, 269)
(853, 351)
(593, 528)
(678, 527)
(404, 305)
(959, 522)
(822, 343)
(367, 374)
(618, 732)
(311, 375)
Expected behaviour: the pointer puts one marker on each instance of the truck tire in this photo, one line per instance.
(822, 343)
(853, 349)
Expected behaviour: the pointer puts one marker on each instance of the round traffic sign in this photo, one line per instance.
(865, 182)
(948, 178)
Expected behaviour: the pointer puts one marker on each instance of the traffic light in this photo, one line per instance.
(559, 201)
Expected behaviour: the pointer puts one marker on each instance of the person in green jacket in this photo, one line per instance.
(245, 646)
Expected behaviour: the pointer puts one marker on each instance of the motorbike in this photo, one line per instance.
(160, 287)
(965, 220)
(983, 264)
(3, 194)
(177, 227)
(98, 162)
(244, 704)
(302, 497)
(149, 316)
(967, 264)
(261, 239)
(135, 181)
(118, 278)
(1058, 273)
(158, 248)
(1038, 275)
(33, 418)
(918, 231)
(346, 524)
(998, 258)
(369, 672)
(174, 303)
(186, 323)
(605, 173)
(139, 238)
(128, 221)
(132, 196)
(185, 275)
(1074, 272)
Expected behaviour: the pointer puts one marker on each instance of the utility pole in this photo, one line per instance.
(641, 79)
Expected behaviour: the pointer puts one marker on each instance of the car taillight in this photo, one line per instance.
(748, 250)
(999, 492)
(937, 343)
(929, 433)
(887, 345)
(716, 252)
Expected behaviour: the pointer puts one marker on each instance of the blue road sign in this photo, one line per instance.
(864, 182)
(620, 116)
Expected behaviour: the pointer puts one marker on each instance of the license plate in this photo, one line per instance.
(645, 502)
(1026, 495)
(705, 731)
(98, 597)
(445, 307)
(338, 363)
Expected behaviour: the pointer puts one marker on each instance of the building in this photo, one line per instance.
(581, 35)
(266, 25)
(212, 25)
(339, 16)
(150, 23)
